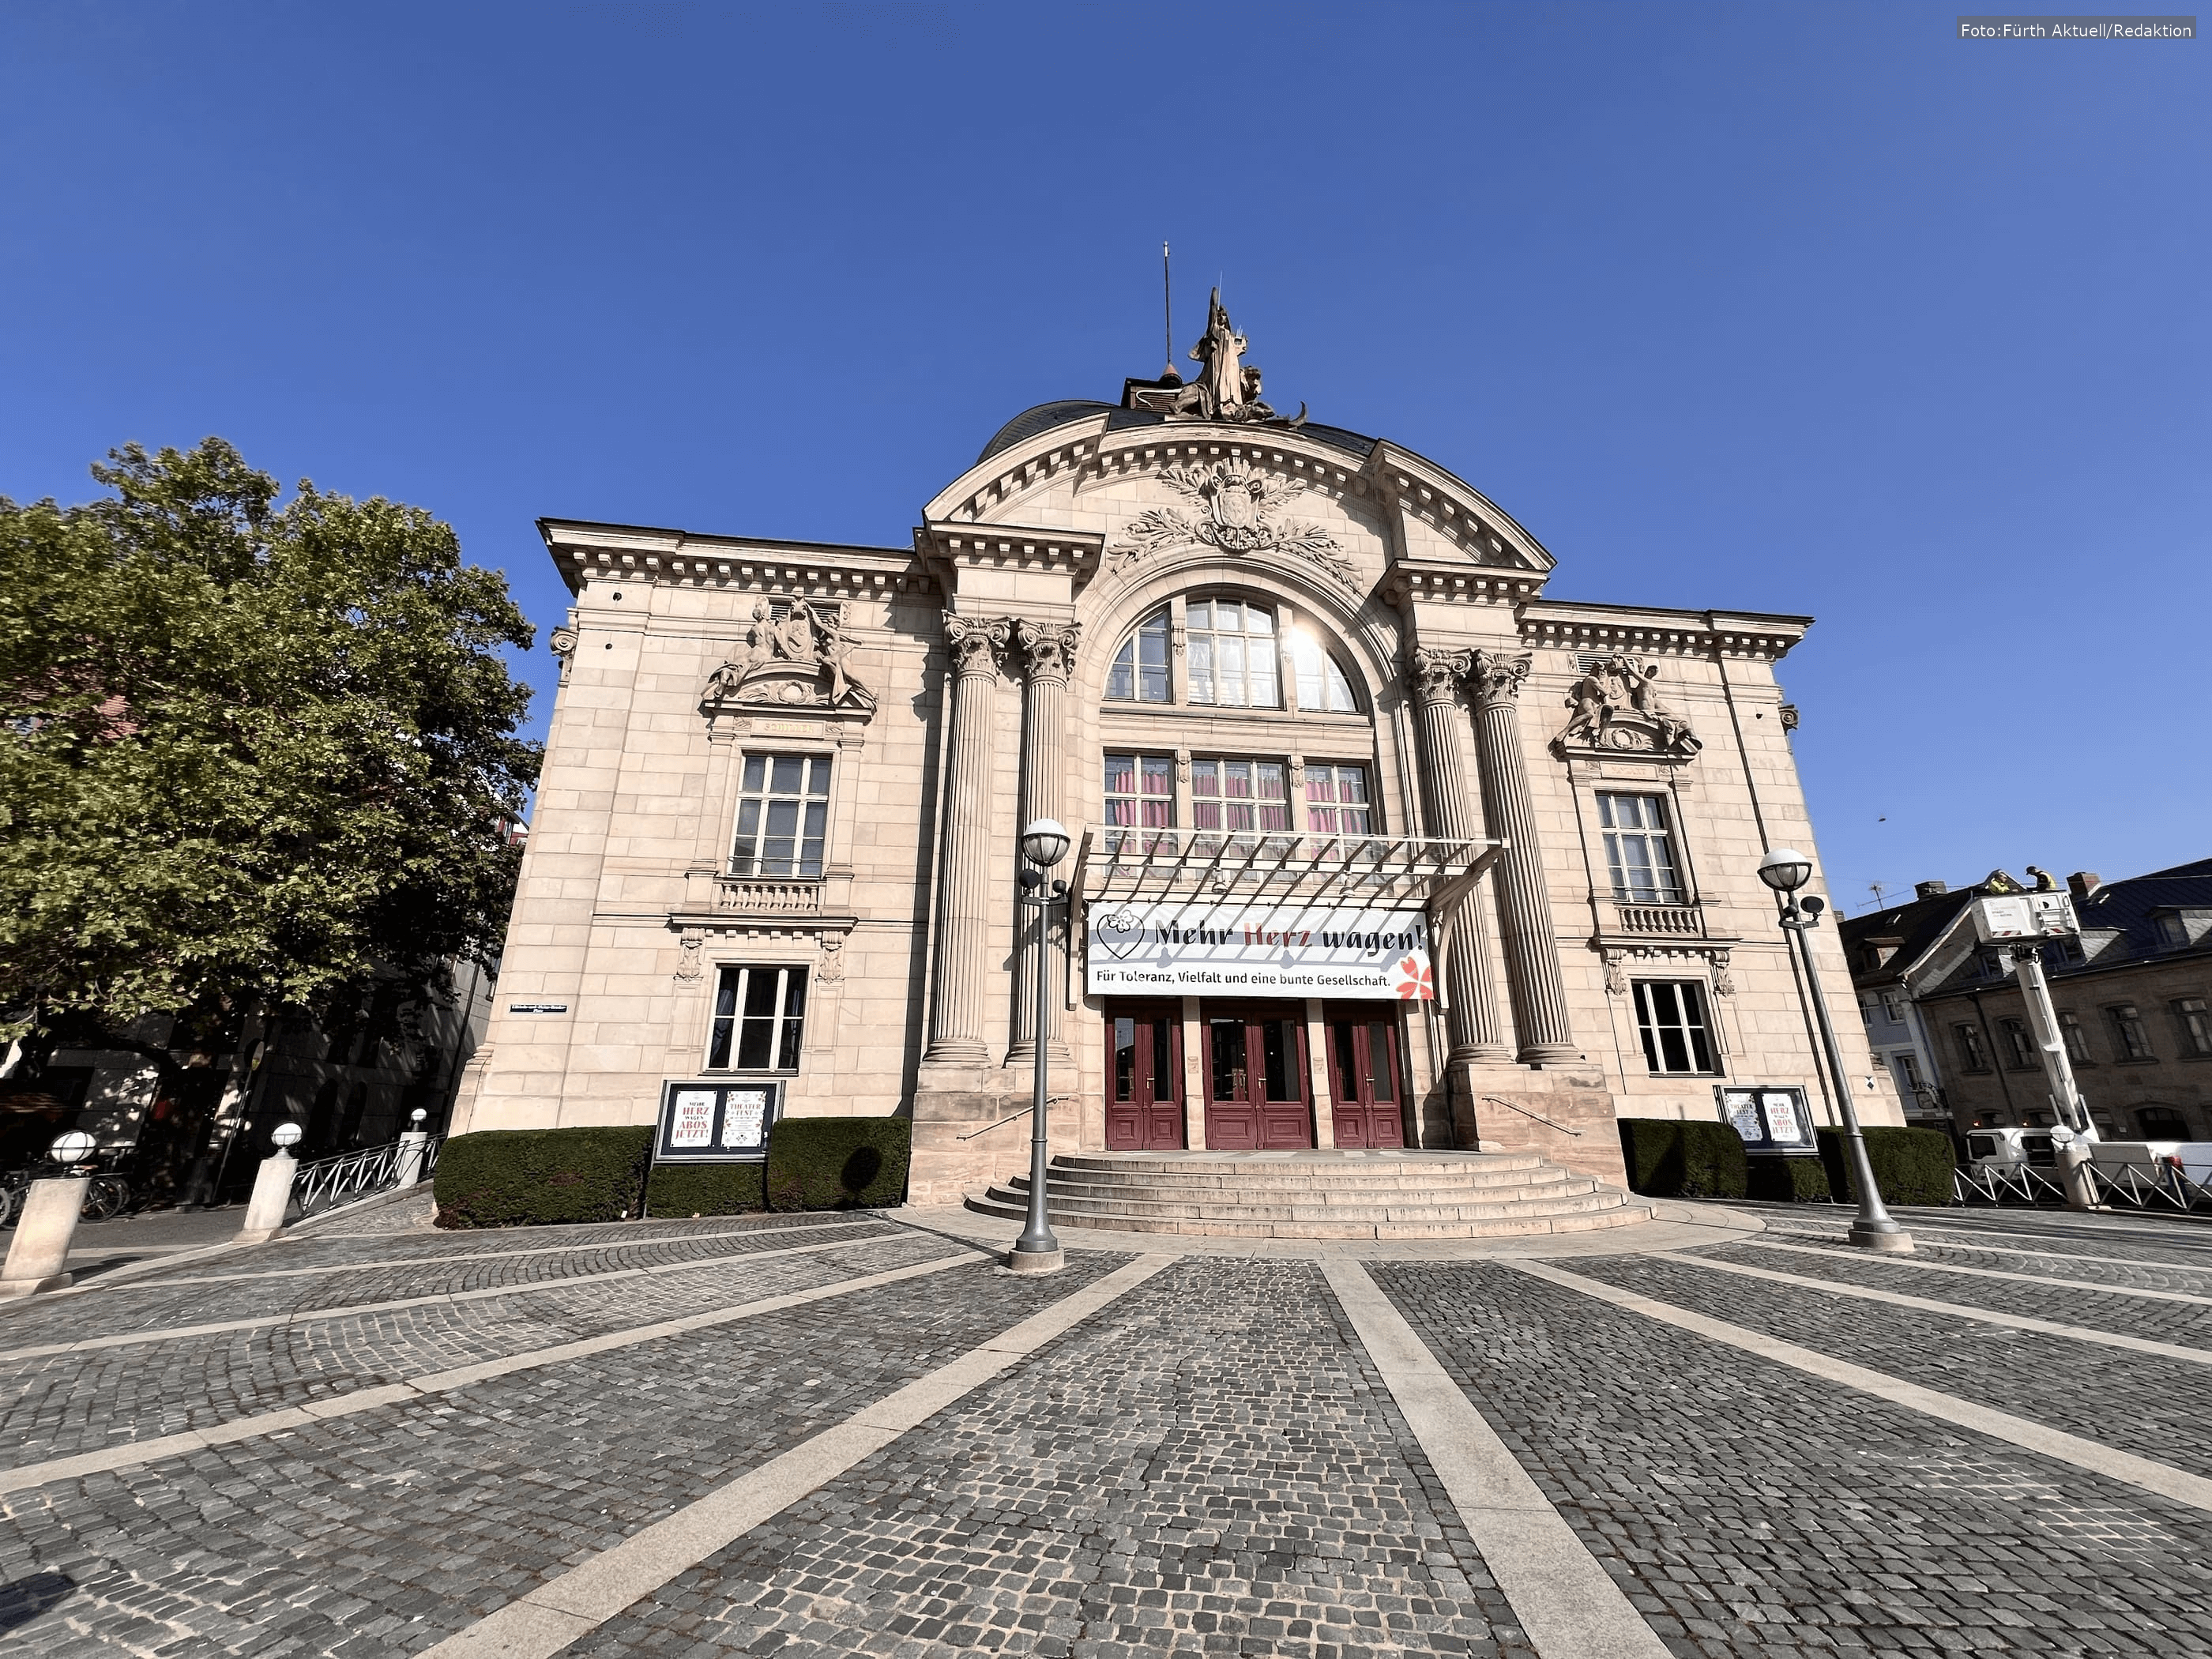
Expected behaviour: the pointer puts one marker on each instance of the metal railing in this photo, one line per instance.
(326, 1182)
(2128, 1187)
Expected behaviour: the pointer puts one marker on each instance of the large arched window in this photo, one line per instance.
(1239, 652)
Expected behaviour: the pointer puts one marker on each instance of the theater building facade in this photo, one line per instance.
(1374, 845)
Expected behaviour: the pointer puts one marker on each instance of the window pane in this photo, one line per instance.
(1228, 685)
(790, 775)
(1278, 1040)
(1125, 1059)
(1226, 1041)
(756, 773)
(1164, 1085)
(1382, 1081)
(1121, 677)
(1202, 668)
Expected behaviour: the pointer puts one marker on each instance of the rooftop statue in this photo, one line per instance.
(1227, 388)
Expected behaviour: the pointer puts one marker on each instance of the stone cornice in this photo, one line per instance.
(1451, 582)
(1010, 546)
(584, 551)
(1456, 509)
(1567, 625)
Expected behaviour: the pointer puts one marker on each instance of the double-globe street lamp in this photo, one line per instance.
(1044, 844)
(1786, 871)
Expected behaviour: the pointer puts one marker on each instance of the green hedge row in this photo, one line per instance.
(1788, 1180)
(1911, 1166)
(534, 1177)
(1669, 1157)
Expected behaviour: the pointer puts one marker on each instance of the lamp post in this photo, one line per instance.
(38, 1257)
(1044, 844)
(1785, 871)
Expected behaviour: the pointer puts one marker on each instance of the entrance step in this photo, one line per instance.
(1318, 1194)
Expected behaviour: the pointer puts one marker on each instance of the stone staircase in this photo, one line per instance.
(1319, 1194)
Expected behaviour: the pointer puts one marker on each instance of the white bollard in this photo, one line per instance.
(38, 1259)
(273, 1196)
(411, 1144)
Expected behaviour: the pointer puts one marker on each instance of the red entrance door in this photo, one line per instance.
(1363, 1075)
(1256, 1098)
(1144, 1071)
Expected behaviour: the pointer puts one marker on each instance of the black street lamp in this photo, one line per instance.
(1785, 871)
(1044, 844)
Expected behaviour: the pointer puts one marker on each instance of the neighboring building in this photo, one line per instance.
(176, 1093)
(2134, 998)
(1300, 696)
(1893, 953)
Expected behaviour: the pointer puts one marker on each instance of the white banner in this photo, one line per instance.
(1232, 949)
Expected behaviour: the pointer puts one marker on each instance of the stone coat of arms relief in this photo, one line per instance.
(793, 660)
(1238, 508)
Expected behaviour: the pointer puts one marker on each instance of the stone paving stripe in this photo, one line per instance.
(414, 1388)
(640, 1243)
(1954, 1309)
(1569, 1605)
(2162, 1479)
(1761, 1243)
(557, 1612)
(126, 1339)
(2005, 1250)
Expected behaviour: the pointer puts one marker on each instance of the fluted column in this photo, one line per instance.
(1047, 654)
(1524, 903)
(960, 953)
(1470, 1001)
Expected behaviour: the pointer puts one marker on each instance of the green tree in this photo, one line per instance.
(251, 753)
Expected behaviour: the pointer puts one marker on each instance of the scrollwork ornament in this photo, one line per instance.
(1496, 676)
(691, 964)
(977, 644)
(1435, 676)
(562, 641)
(1048, 649)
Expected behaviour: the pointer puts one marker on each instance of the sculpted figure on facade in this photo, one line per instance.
(1615, 706)
(797, 659)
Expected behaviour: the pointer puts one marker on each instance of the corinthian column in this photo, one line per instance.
(1470, 1001)
(1524, 905)
(1047, 651)
(961, 948)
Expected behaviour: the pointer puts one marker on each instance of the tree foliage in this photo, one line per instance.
(250, 751)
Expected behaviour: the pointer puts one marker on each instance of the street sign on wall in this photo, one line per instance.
(1234, 948)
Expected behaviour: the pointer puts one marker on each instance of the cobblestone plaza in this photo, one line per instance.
(1719, 1433)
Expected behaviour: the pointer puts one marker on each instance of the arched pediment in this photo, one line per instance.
(1350, 506)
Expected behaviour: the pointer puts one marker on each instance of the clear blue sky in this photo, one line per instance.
(1796, 308)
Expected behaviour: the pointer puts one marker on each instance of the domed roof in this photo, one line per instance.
(1043, 417)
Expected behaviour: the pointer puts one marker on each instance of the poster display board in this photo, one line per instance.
(1239, 949)
(1769, 1117)
(2024, 915)
(716, 1122)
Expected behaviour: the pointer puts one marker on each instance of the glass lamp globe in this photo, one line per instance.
(1785, 870)
(73, 1147)
(286, 1135)
(1044, 844)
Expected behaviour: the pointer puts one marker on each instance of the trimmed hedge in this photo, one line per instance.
(687, 1189)
(534, 1177)
(1911, 1166)
(838, 1163)
(1789, 1180)
(1669, 1157)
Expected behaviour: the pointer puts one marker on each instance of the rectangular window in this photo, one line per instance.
(2189, 1014)
(1636, 855)
(2173, 932)
(1240, 796)
(1971, 1052)
(1336, 800)
(1141, 792)
(783, 812)
(2129, 1040)
(2019, 1046)
(1232, 654)
(2077, 1040)
(1670, 1016)
(759, 1017)
(1908, 1073)
(1892, 1010)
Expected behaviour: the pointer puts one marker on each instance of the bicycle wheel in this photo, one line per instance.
(104, 1198)
(7, 1204)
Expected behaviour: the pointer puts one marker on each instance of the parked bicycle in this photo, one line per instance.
(106, 1196)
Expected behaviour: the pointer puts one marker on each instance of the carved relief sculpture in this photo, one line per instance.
(1435, 676)
(1615, 708)
(796, 660)
(1048, 649)
(1239, 511)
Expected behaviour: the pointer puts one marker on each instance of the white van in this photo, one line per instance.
(2009, 1149)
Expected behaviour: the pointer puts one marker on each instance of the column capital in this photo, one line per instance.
(1495, 677)
(976, 643)
(1434, 676)
(1046, 650)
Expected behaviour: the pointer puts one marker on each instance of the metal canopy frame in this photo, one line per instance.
(1243, 869)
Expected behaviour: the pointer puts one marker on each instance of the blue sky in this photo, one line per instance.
(1807, 308)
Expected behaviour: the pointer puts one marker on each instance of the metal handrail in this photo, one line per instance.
(1054, 1101)
(323, 1182)
(2127, 1188)
(1495, 1101)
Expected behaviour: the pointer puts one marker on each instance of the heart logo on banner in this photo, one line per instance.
(1120, 933)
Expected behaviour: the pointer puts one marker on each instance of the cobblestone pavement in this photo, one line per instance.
(1210, 1463)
